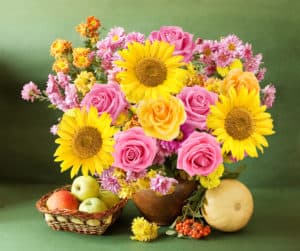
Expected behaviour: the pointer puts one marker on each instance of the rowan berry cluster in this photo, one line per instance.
(192, 228)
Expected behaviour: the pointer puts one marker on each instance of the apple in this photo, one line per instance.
(108, 197)
(85, 187)
(62, 199)
(92, 205)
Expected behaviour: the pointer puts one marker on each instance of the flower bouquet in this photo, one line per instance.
(160, 119)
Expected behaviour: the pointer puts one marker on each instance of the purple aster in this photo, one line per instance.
(108, 181)
(170, 147)
(134, 176)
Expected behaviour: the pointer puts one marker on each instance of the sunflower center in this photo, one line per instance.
(239, 123)
(151, 71)
(87, 142)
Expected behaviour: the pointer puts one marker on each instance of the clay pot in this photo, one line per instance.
(163, 210)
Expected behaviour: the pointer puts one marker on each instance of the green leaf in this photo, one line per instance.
(180, 235)
(233, 174)
(171, 232)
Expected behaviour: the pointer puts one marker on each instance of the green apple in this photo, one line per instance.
(109, 198)
(84, 187)
(92, 205)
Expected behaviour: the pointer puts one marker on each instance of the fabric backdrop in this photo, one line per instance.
(29, 27)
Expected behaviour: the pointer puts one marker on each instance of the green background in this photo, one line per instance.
(26, 148)
(29, 27)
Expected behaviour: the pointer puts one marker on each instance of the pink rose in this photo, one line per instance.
(200, 154)
(196, 102)
(134, 151)
(106, 98)
(183, 41)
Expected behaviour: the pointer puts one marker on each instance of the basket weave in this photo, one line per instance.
(76, 221)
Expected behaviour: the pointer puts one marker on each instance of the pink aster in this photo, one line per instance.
(210, 69)
(53, 129)
(63, 80)
(116, 37)
(223, 57)
(30, 91)
(207, 49)
(252, 64)
(261, 74)
(134, 37)
(247, 51)
(61, 92)
(268, 95)
(53, 92)
(233, 45)
(71, 97)
(162, 185)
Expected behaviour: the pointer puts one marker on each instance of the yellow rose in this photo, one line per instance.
(238, 79)
(161, 118)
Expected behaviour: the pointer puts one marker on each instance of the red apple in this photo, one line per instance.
(62, 199)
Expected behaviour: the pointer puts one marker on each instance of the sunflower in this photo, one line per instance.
(150, 70)
(85, 141)
(239, 122)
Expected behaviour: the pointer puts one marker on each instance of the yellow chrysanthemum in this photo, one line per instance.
(142, 183)
(81, 57)
(236, 64)
(143, 230)
(151, 174)
(59, 47)
(213, 85)
(150, 71)
(85, 141)
(61, 65)
(119, 174)
(127, 189)
(212, 180)
(239, 122)
(84, 81)
(194, 78)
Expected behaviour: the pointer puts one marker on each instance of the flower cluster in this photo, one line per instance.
(148, 112)
(143, 230)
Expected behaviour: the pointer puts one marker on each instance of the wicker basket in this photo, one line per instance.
(79, 222)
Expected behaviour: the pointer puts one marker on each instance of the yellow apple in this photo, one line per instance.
(92, 205)
(84, 187)
(109, 198)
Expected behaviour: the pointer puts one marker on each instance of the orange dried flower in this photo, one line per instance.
(92, 23)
